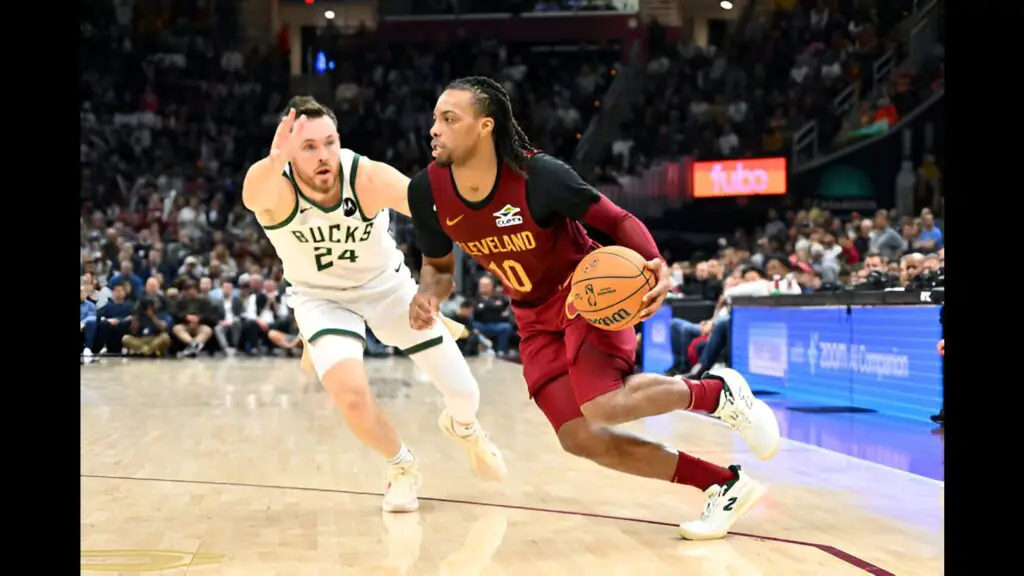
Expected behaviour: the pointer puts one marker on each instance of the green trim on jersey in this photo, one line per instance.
(336, 332)
(425, 345)
(352, 186)
(290, 175)
(288, 220)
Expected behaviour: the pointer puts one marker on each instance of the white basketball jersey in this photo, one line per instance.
(335, 247)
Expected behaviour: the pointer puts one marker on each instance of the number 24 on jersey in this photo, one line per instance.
(325, 257)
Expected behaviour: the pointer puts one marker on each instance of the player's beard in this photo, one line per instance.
(444, 157)
(447, 159)
(312, 182)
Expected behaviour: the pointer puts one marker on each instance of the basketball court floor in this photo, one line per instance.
(243, 467)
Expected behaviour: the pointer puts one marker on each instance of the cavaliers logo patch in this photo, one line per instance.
(144, 560)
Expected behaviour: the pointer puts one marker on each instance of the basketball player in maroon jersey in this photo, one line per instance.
(518, 213)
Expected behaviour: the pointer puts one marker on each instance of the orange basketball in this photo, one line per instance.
(608, 287)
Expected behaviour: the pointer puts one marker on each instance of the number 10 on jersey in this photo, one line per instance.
(325, 257)
(512, 274)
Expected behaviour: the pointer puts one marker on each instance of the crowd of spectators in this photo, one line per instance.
(168, 103)
(173, 265)
(805, 251)
(384, 99)
(171, 261)
(748, 93)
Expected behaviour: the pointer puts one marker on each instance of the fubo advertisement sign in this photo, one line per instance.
(736, 178)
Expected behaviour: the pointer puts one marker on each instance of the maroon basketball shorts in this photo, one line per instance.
(567, 361)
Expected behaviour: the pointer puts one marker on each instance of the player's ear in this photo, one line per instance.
(486, 125)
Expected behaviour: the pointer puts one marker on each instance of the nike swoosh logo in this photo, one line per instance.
(453, 221)
(306, 209)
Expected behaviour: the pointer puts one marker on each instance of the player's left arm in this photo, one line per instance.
(564, 192)
(385, 186)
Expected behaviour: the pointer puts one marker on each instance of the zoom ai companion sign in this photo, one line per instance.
(880, 358)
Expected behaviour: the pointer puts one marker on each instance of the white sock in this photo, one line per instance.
(403, 456)
(448, 371)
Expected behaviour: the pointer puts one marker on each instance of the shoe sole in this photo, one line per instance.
(757, 490)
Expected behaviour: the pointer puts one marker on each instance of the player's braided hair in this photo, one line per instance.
(510, 141)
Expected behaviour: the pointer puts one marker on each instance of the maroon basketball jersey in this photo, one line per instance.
(533, 263)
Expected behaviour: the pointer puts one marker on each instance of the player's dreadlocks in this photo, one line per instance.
(492, 101)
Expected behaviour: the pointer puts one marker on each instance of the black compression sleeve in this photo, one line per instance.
(430, 238)
(553, 189)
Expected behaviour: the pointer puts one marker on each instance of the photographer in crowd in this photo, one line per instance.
(147, 334)
(195, 317)
(161, 304)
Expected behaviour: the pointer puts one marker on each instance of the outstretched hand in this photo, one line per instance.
(287, 137)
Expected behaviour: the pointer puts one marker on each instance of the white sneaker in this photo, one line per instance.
(724, 507)
(403, 482)
(751, 417)
(87, 357)
(484, 456)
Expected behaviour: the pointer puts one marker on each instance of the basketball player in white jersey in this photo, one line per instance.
(325, 210)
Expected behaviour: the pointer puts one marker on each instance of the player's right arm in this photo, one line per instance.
(437, 272)
(264, 189)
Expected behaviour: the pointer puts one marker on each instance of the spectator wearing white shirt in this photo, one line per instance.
(271, 321)
(100, 295)
(831, 250)
(231, 321)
